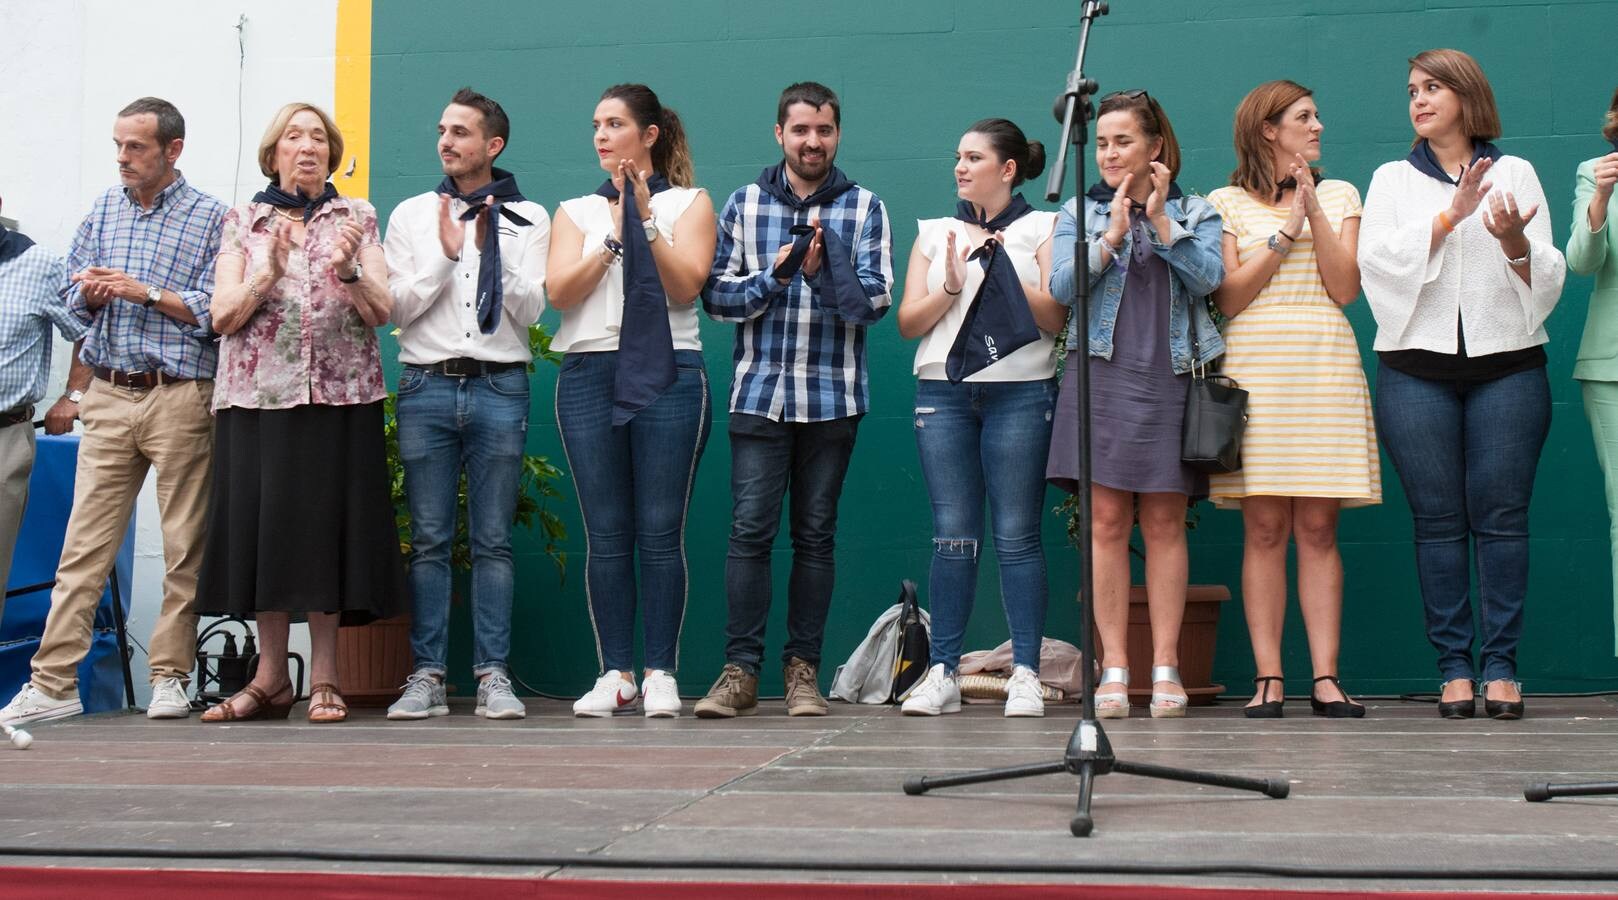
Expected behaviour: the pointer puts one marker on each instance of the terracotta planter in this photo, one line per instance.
(373, 661)
(1197, 637)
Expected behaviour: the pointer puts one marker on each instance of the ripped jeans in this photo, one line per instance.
(980, 439)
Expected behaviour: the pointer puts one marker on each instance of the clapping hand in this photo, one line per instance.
(344, 249)
(1118, 221)
(1506, 222)
(954, 265)
(1471, 191)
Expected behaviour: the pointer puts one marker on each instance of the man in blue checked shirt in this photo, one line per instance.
(141, 283)
(803, 266)
(30, 277)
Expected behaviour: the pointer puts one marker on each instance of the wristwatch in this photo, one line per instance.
(1522, 260)
(1275, 244)
(649, 226)
(153, 294)
(359, 270)
(74, 396)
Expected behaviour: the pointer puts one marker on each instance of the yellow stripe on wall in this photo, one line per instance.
(352, 96)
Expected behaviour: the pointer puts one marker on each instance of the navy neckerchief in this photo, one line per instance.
(973, 214)
(12, 244)
(1421, 156)
(274, 196)
(998, 322)
(839, 286)
(645, 341)
(491, 290)
(1101, 193)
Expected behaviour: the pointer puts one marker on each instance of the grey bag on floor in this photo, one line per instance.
(867, 677)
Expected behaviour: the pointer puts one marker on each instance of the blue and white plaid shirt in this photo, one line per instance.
(796, 361)
(30, 303)
(171, 246)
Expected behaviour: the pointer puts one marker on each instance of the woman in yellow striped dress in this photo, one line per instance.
(1289, 247)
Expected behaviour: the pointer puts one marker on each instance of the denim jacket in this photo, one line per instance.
(1195, 258)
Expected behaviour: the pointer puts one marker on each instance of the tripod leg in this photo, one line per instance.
(921, 784)
(1269, 787)
(1542, 791)
(1082, 823)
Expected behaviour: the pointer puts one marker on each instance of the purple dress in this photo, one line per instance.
(1137, 403)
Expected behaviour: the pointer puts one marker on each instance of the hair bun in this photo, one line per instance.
(1036, 160)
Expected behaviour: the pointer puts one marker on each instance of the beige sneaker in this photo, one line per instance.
(803, 693)
(734, 694)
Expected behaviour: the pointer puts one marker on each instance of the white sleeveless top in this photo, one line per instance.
(1034, 362)
(592, 326)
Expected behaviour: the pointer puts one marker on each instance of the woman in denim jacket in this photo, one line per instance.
(1154, 259)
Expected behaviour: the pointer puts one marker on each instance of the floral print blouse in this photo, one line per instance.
(305, 344)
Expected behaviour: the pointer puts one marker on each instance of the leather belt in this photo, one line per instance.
(16, 415)
(138, 380)
(466, 367)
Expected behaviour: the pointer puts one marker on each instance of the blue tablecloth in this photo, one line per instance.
(39, 546)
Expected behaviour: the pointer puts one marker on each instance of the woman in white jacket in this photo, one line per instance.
(1459, 270)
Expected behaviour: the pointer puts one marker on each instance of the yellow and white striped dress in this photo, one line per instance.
(1309, 431)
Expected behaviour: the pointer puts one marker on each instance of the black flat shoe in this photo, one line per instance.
(1503, 710)
(1336, 709)
(1269, 709)
(1458, 709)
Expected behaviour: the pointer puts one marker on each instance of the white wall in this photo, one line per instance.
(68, 66)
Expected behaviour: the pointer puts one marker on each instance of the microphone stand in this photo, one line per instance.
(1089, 753)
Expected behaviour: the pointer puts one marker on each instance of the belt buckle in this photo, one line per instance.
(457, 368)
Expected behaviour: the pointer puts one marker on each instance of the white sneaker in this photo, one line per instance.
(937, 693)
(168, 700)
(611, 695)
(32, 705)
(660, 696)
(1025, 696)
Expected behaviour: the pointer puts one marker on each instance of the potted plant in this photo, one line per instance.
(374, 659)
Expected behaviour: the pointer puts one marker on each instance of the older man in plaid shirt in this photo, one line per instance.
(142, 280)
(800, 384)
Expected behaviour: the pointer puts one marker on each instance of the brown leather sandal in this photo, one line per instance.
(265, 706)
(327, 710)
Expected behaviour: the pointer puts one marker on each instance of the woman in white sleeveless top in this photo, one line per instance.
(634, 480)
(986, 435)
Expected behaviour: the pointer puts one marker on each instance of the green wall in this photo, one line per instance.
(911, 76)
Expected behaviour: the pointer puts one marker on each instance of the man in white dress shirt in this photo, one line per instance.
(466, 266)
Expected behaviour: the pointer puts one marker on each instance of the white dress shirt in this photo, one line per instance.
(435, 297)
(1416, 295)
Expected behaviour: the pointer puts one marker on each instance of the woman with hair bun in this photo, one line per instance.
(984, 404)
(632, 398)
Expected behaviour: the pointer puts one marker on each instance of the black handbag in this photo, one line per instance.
(915, 649)
(1215, 419)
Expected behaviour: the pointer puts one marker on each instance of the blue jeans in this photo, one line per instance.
(768, 458)
(1467, 457)
(978, 438)
(634, 483)
(446, 425)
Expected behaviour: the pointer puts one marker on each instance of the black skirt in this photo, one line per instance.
(301, 519)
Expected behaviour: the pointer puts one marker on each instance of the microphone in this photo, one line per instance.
(20, 739)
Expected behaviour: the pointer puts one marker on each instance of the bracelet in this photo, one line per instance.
(1108, 244)
(1522, 260)
(1443, 219)
(614, 250)
(1283, 232)
(253, 291)
(950, 293)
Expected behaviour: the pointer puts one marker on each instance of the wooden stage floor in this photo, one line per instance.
(1398, 800)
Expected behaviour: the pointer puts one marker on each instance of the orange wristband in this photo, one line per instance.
(1443, 219)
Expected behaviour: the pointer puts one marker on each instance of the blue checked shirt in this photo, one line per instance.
(30, 303)
(171, 246)
(796, 361)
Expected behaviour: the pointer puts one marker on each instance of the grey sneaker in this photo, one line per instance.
(734, 694)
(496, 699)
(803, 693)
(423, 696)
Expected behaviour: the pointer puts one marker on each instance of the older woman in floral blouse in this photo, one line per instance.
(301, 521)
